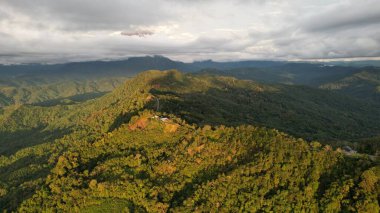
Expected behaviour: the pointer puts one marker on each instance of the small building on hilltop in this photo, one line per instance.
(164, 119)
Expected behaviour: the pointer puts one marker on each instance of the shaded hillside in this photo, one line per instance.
(117, 152)
(364, 84)
(46, 120)
(35, 83)
(287, 73)
(299, 110)
(209, 64)
(265, 71)
(50, 91)
(90, 69)
(127, 67)
(193, 169)
(201, 100)
(373, 63)
(4, 100)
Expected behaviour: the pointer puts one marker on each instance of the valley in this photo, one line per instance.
(274, 144)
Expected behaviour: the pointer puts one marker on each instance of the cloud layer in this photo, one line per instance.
(71, 30)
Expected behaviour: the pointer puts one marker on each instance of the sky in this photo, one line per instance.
(51, 31)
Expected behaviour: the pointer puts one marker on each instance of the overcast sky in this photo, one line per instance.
(52, 31)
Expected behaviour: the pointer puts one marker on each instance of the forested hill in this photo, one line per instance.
(361, 83)
(89, 69)
(299, 110)
(306, 73)
(60, 83)
(209, 100)
(364, 84)
(168, 142)
(288, 73)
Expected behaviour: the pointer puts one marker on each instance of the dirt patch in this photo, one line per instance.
(170, 128)
(141, 123)
(149, 98)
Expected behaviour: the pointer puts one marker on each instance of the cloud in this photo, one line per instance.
(71, 30)
(345, 16)
(140, 33)
(88, 15)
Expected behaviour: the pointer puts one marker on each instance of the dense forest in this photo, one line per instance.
(362, 83)
(166, 141)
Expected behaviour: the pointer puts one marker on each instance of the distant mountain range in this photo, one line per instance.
(134, 65)
(20, 83)
(130, 66)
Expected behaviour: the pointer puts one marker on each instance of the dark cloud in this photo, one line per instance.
(87, 15)
(340, 17)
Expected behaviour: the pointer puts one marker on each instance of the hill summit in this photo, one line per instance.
(165, 141)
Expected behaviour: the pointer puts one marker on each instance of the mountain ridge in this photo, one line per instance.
(208, 100)
(118, 151)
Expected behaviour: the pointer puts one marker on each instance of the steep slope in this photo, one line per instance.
(50, 91)
(369, 63)
(209, 64)
(243, 168)
(4, 100)
(288, 73)
(301, 111)
(364, 84)
(114, 151)
(31, 137)
(46, 122)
